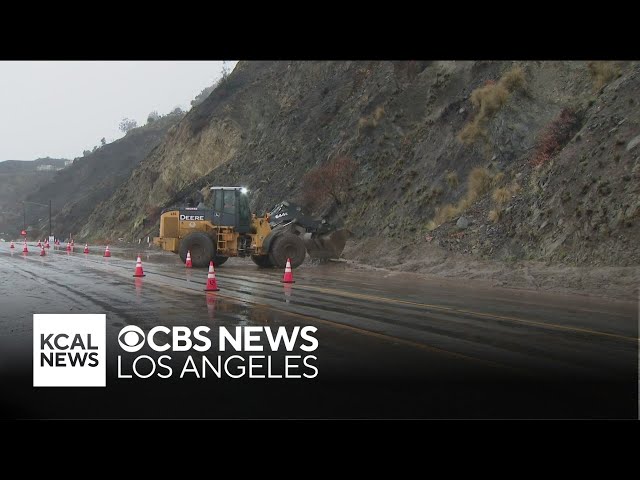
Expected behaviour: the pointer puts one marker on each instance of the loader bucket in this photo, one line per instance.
(326, 246)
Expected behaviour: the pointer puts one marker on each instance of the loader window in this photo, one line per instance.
(244, 214)
(217, 205)
(243, 209)
(229, 202)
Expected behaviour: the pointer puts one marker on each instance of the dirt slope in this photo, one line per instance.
(433, 142)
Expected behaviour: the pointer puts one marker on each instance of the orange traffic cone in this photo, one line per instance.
(188, 263)
(24, 248)
(86, 248)
(46, 244)
(39, 244)
(288, 274)
(138, 272)
(107, 253)
(212, 284)
(12, 245)
(42, 252)
(68, 247)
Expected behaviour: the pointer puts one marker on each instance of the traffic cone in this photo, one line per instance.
(46, 244)
(107, 253)
(188, 263)
(24, 248)
(12, 245)
(86, 248)
(39, 244)
(288, 274)
(138, 272)
(42, 252)
(212, 284)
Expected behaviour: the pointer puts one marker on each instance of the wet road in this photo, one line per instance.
(390, 345)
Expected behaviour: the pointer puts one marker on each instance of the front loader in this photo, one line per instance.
(223, 226)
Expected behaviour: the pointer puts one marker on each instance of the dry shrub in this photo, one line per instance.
(603, 73)
(370, 122)
(472, 131)
(478, 182)
(488, 100)
(452, 179)
(495, 215)
(329, 181)
(378, 114)
(514, 79)
(497, 179)
(366, 122)
(501, 196)
(554, 137)
(445, 213)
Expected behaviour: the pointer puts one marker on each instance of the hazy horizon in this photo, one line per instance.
(58, 109)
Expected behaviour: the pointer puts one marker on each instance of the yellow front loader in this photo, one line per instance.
(222, 226)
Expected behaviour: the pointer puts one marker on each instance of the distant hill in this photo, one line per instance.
(79, 188)
(17, 180)
(20, 166)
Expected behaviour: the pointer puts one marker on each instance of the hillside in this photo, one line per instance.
(17, 180)
(76, 190)
(540, 159)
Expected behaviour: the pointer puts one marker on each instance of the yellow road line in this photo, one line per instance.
(468, 312)
(343, 326)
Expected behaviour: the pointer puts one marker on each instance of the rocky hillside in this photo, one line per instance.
(79, 188)
(17, 180)
(498, 160)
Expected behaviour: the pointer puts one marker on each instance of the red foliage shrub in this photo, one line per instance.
(329, 181)
(554, 137)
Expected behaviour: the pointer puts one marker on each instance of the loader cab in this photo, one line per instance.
(231, 208)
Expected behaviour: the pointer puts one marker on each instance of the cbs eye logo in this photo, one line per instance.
(131, 338)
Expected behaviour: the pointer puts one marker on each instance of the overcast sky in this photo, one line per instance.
(59, 109)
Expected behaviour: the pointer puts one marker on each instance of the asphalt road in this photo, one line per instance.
(390, 345)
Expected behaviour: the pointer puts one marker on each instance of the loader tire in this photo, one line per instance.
(287, 245)
(201, 247)
(263, 261)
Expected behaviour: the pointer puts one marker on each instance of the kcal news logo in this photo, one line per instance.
(69, 350)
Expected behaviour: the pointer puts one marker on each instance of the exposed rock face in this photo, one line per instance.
(573, 201)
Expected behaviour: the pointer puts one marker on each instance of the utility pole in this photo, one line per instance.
(24, 209)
